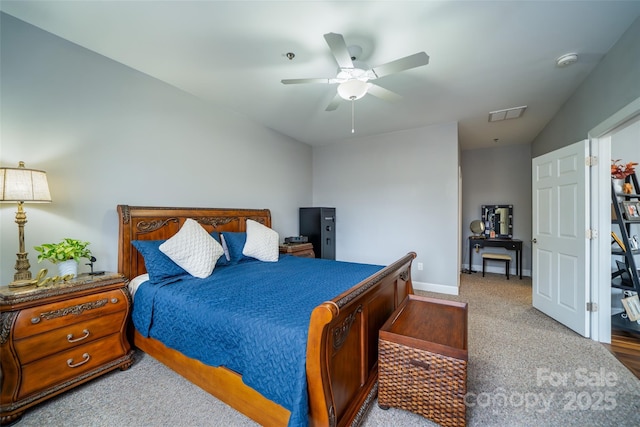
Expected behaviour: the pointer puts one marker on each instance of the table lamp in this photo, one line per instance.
(23, 185)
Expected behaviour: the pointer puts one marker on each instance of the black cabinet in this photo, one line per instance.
(319, 225)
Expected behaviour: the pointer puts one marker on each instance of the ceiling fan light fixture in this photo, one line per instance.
(352, 89)
(351, 73)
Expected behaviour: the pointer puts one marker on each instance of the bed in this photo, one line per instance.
(340, 357)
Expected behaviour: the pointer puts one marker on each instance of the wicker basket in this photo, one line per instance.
(422, 376)
(422, 382)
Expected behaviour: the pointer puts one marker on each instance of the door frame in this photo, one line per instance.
(600, 193)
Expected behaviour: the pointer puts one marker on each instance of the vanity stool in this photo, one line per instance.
(497, 257)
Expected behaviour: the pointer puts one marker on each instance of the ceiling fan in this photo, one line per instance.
(354, 77)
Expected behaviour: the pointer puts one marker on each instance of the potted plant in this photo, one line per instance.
(66, 254)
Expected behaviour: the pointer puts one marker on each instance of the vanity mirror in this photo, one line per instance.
(498, 221)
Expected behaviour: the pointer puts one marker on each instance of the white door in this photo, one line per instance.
(560, 272)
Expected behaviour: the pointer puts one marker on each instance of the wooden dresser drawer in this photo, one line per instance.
(44, 318)
(69, 364)
(38, 346)
(58, 336)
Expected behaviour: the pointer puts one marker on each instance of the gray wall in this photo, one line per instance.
(106, 134)
(393, 194)
(613, 84)
(498, 175)
(625, 143)
(82, 117)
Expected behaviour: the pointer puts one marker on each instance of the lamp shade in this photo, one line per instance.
(23, 185)
(352, 89)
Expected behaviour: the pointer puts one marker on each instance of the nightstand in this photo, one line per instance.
(59, 336)
(304, 250)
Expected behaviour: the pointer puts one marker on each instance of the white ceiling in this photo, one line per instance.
(484, 56)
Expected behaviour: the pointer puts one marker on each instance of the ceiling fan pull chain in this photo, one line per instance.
(353, 126)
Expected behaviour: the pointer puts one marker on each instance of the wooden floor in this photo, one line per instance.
(626, 347)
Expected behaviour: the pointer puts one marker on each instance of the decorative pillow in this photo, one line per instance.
(158, 265)
(262, 242)
(234, 242)
(225, 248)
(193, 249)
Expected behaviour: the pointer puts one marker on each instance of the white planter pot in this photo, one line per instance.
(68, 267)
(617, 187)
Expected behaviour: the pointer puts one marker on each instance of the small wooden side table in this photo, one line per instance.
(304, 250)
(56, 337)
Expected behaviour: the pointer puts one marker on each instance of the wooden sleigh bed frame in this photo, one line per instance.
(342, 347)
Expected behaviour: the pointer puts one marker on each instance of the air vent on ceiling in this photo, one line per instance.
(509, 113)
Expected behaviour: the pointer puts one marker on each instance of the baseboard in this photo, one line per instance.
(432, 287)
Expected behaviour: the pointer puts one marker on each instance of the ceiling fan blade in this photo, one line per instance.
(406, 63)
(382, 93)
(298, 81)
(339, 49)
(335, 103)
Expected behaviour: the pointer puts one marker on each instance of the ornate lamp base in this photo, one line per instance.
(22, 267)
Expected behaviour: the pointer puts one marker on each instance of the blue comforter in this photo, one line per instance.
(252, 317)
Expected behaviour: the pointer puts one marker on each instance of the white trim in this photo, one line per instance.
(600, 248)
(600, 283)
(433, 287)
(623, 115)
(459, 235)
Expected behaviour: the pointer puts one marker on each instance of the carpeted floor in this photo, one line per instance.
(524, 369)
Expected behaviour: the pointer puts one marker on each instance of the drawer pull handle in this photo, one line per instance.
(114, 300)
(71, 339)
(85, 358)
(420, 364)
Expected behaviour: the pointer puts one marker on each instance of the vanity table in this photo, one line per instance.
(496, 232)
(509, 244)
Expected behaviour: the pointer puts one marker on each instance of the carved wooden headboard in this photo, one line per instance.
(159, 223)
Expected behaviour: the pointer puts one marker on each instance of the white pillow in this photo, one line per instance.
(225, 248)
(193, 249)
(135, 283)
(262, 242)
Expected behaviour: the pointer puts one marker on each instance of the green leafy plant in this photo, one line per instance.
(66, 250)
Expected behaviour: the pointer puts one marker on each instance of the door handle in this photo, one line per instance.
(534, 241)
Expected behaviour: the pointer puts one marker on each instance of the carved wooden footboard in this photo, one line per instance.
(342, 349)
(343, 334)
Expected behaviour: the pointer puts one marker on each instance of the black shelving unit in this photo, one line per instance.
(626, 276)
